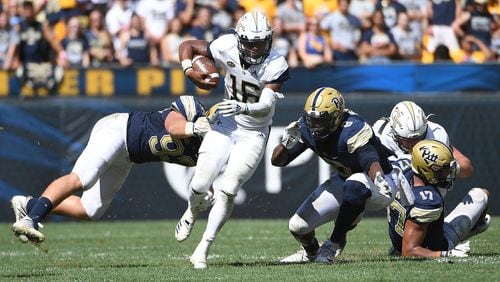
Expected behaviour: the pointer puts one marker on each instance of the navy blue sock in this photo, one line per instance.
(345, 220)
(354, 198)
(31, 204)
(41, 209)
(308, 241)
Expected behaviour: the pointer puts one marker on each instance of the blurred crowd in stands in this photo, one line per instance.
(91, 33)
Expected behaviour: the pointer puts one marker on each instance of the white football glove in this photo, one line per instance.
(206, 202)
(229, 108)
(291, 135)
(460, 251)
(200, 127)
(382, 185)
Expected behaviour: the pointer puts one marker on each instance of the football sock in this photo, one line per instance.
(41, 209)
(308, 241)
(348, 213)
(194, 200)
(218, 215)
(31, 204)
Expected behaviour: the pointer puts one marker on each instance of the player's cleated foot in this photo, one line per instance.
(25, 230)
(199, 261)
(329, 251)
(185, 225)
(199, 256)
(480, 227)
(19, 204)
(301, 256)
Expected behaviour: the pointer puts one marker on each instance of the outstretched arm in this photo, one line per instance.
(178, 127)
(283, 156)
(290, 146)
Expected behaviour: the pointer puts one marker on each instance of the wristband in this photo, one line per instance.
(189, 128)
(444, 253)
(186, 65)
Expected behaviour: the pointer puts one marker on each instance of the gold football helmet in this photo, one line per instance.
(323, 111)
(433, 161)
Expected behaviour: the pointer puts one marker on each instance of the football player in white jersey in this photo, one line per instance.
(407, 125)
(254, 74)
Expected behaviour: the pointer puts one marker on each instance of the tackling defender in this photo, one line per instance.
(364, 180)
(254, 74)
(420, 229)
(116, 142)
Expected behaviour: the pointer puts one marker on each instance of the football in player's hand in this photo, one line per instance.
(205, 65)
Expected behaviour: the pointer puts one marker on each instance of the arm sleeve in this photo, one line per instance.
(266, 101)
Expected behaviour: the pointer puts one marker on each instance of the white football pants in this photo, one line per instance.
(104, 164)
(322, 205)
(466, 214)
(241, 149)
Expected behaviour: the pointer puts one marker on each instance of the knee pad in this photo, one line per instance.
(229, 184)
(355, 193)
(479, 195)
(226, 197)
(298, 226)
(200, 183)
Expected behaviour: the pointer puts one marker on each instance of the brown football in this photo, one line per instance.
(204, 64)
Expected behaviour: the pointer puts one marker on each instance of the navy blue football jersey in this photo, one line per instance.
(428, 208)
(344, 148)
(149, 141)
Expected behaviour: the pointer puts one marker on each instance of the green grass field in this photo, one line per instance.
(245, 250)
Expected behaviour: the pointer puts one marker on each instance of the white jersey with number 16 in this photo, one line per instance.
(246, 84)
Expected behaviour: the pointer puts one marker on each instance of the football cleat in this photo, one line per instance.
(199, 256)
(199, 261)
(25, 230)
(329, 251)
(19, 204)
(301, 256)
(185, 225)
(480, 227)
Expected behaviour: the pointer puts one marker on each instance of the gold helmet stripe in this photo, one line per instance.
(412, 113)
(313, 104)
(254, 15)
